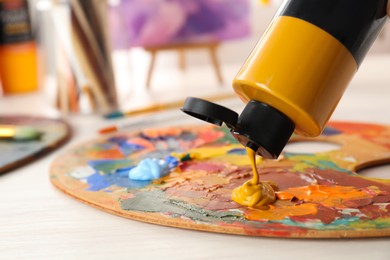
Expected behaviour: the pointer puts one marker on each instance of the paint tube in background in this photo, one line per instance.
(298, 71)
(18, 51)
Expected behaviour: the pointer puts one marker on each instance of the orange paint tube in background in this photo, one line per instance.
(18, 50)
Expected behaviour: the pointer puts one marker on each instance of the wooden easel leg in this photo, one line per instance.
(90, 95)
(214, 60)
(151, 67)
(182, 60)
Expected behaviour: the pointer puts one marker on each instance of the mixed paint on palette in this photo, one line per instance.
(319, 194)
(15, 153)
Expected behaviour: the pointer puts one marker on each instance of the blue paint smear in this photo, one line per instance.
(172, 161)
(154, 139)
(187, 136)
(118, 139)
(335, 225)
(126, 147)
(331, 131)
(103, 146)
(152, 168)
(116, 172)
(149, 169)
(328, 164)
(289, 154)
(129, 148)
(158, 154)
(320, 164)
(183, 136)
(239, 151)
(109, 166)
(119, 178)
(173, 145)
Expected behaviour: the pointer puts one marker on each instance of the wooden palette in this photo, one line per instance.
(18, 153)
(320, 195)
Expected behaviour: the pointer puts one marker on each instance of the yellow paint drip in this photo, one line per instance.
(254, 193)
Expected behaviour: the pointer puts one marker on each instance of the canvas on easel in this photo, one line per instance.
(178, 25)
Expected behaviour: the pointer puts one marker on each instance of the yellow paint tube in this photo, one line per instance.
(298, 71)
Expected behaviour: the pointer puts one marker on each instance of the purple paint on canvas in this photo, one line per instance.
(164, 22)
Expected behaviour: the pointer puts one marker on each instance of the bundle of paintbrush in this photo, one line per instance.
(84, 67)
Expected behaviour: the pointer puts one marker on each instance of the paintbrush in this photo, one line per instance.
(144, 110)
(124, 126)
(141, 122)
(163, 106)
(19, 133)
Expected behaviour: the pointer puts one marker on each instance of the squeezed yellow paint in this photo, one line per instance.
(254, 193)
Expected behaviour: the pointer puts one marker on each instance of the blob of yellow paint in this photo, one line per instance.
(254, 193)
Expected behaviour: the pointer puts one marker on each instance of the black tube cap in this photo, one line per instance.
(260, 126)
(264, 129)
(209, 112)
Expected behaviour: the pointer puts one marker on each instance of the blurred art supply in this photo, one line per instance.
(24, 139)
(84, 72)
(19, 133)
(320, 194)
(47, 45)
(92, 48)
(18, 50)
(140, 122)
(298, 71)
(125, 126)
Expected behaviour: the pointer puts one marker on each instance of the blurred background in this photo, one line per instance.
(97, 56)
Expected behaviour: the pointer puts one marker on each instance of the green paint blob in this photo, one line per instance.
(26, 134)
(156, 201)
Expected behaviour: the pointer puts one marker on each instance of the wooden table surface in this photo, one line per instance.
(37, 221)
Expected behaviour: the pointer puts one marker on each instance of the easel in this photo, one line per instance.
(211, 46)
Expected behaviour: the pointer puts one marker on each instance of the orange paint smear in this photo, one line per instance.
(365, 130)
(274, 213)
(330, 196)
(114, 153)
(156, 133)
(142, 142)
